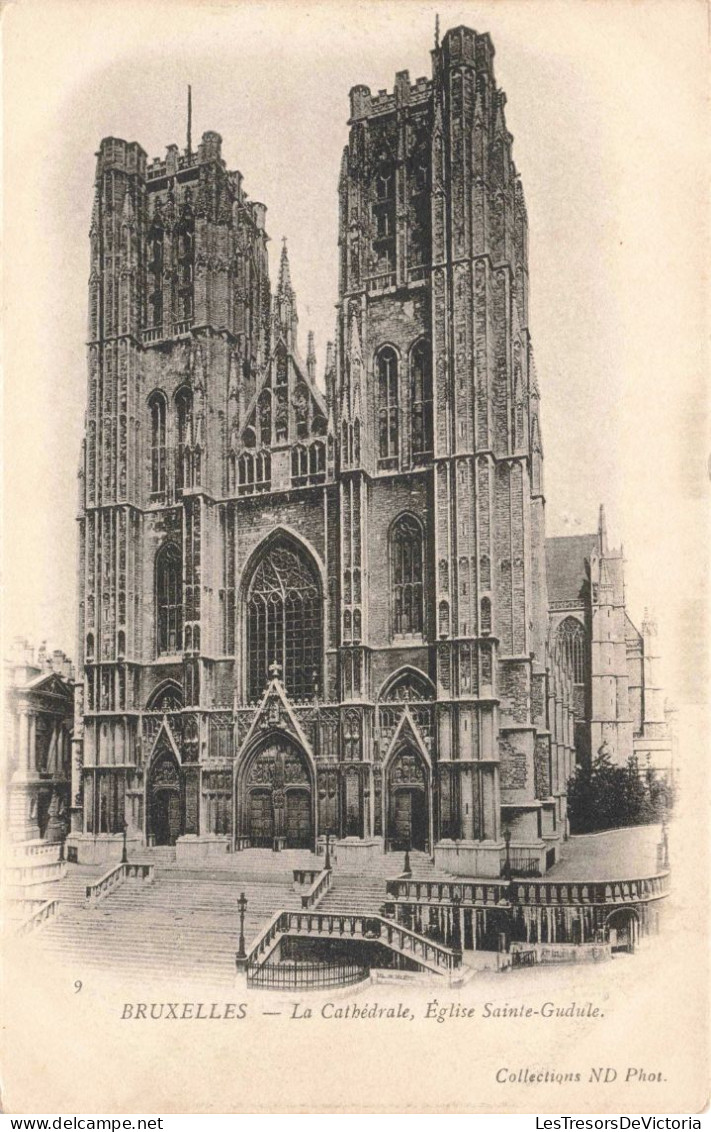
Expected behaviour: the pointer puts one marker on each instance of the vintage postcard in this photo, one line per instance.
(355, 557)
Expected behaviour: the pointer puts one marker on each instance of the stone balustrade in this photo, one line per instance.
(536, 893)
(116, 876)
(46, 911)
(320, 885)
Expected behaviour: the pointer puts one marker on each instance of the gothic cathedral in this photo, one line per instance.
(319, 607)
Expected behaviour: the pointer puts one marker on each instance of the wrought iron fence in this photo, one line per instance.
(302, 976)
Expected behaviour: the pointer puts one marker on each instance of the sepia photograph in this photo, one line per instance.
(355, 557)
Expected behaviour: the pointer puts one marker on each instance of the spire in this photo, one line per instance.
(437, 31)
(190, 121)
(311, 358)
(284, 269)
(602, 530)
(286, 320)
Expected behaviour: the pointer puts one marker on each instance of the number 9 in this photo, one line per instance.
(77, 986)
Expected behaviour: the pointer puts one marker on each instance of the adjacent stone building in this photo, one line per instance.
(618, 702)
(320, 608)
(39, 710)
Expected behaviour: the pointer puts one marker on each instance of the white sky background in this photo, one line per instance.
(606, 102)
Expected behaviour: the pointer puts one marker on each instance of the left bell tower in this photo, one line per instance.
(179, 328)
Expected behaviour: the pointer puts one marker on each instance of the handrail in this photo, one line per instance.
(317, 890)
(301, 875)
(21, 850)
(34, 871)
(335, 925)
(373, 928)
(45, 912)
(138, 870)
(531, 891)
(269, 935)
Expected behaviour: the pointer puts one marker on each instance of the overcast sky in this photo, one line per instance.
(606, 105)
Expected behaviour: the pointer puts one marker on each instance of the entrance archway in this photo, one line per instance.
(408, 802)
(164, 799)
(277, 798)
(622, 929)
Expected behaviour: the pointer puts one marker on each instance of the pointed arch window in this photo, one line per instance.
(406, 546)
(388, 406)
(421, 397)
(169, 600)
(186, 269)
(246, 474)
(157, 407)
(571, 643)
(155, 276)
(183, 461)
(284, 622)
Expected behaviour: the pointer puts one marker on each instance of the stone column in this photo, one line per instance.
(23, 764)
(32, 762)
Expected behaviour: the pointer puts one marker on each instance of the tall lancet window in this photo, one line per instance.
(157, 408)
(388, 408)
(169, 600)
(571, 643)
(421, 393)
(284, 623)
(407, 570)
(186, 267)
(155, 276)
(183, 455)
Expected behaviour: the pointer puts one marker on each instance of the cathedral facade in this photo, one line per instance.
(318, 607)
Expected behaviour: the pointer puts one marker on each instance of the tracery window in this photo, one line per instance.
(384, 222)
(157, 408)
(183, 458)
(386, 366)
(186, 264)
(155, 276)
(421, 396)
(571, 643)
(285, 623)
(169, 600)
(407, 569)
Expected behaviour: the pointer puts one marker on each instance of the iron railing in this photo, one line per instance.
(305, 976)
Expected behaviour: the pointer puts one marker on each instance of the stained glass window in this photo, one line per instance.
(406, 558)
(571, 642)
(169, 599)
(387, 404)
(284, 623)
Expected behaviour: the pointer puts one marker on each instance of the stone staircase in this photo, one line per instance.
(182, 929)
(365, 895)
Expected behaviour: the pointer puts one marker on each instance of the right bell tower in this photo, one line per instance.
(435, 378)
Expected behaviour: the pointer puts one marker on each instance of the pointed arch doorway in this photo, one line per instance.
(276, 797)
(165, 799)
(408, 807)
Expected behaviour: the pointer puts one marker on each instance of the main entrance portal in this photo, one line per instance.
(277, 802)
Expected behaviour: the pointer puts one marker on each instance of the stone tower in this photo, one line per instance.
(179, 324)
(438, 420)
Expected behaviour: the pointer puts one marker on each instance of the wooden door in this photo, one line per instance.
(401, 822)
(261, 818)
(174, 830)
(298, 819)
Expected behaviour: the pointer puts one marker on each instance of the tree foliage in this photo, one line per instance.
(602, 795)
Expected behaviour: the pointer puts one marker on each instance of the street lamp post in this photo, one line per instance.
(124, 852)
(241, 957)
(327, 862)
